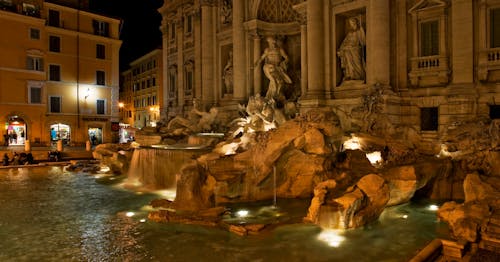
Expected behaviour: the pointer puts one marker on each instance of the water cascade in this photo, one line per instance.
(157, 167)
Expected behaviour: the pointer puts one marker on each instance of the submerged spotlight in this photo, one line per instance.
(433, 207)
(242, 213)
(130, 214)
(331, 237)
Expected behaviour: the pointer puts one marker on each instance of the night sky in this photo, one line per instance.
(140, 27)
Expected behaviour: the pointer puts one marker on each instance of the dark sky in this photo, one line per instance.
(140, 25)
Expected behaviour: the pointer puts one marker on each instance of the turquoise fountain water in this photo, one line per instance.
(49, 214)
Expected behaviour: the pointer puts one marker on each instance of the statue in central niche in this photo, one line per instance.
(351, 51)
(275, 67)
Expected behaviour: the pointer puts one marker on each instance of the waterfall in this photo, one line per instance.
(156, 168)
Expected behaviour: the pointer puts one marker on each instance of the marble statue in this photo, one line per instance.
(228, 75)
(351, 51)
(196, 121)
(275, 67)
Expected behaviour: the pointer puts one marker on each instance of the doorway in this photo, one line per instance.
(95, 135)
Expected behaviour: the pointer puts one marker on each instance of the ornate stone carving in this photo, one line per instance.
(226, 12)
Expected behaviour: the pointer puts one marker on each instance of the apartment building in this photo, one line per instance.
(59, 73)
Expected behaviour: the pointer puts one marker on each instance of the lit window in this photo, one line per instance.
(30, 10)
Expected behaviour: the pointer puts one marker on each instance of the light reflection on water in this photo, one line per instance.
(49, 214)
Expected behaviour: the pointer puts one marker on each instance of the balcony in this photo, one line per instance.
(489, 64)
(429, 71)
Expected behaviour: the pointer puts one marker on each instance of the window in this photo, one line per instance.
(34, 63)
(495, 111)
(495, 28)
(54, 43)
(55, 104)
(100, 106)
(34, 33)
(100, 28)
(429, 38)
(55, 73)
(100, 51)
(54, 19)
(429, 119)
(100, 77)
(35, 94)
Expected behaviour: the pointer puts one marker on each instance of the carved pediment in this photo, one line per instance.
(424, 5)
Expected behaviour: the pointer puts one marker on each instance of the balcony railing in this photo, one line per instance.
(489, 60)
(428, 62)
(429, 71)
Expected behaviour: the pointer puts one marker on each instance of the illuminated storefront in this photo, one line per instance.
(15, 131)
(60, 132)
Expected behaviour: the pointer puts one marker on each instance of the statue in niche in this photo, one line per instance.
(351, 51)
(275, 67)
(226, 12)
(228, 75)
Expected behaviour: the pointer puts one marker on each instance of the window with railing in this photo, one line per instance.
(429, 38)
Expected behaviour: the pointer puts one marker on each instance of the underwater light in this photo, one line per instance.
(404, 216)
(374, 157)
(433, 207)
(352, 144)
(331, 237)
(130, 214)
(242, 213)
(142, 220)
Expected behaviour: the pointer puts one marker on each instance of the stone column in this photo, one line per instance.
(257, 71)
(239, 48)
(303, 60)
(180, 61)
(462, 21)
(315, 50)
(207, 54)
(378, 42)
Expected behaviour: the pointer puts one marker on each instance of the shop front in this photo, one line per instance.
(15, 131)
(60, 131)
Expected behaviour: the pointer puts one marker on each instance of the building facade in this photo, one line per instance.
(59, 73)
(142, 92)
(421, 64)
